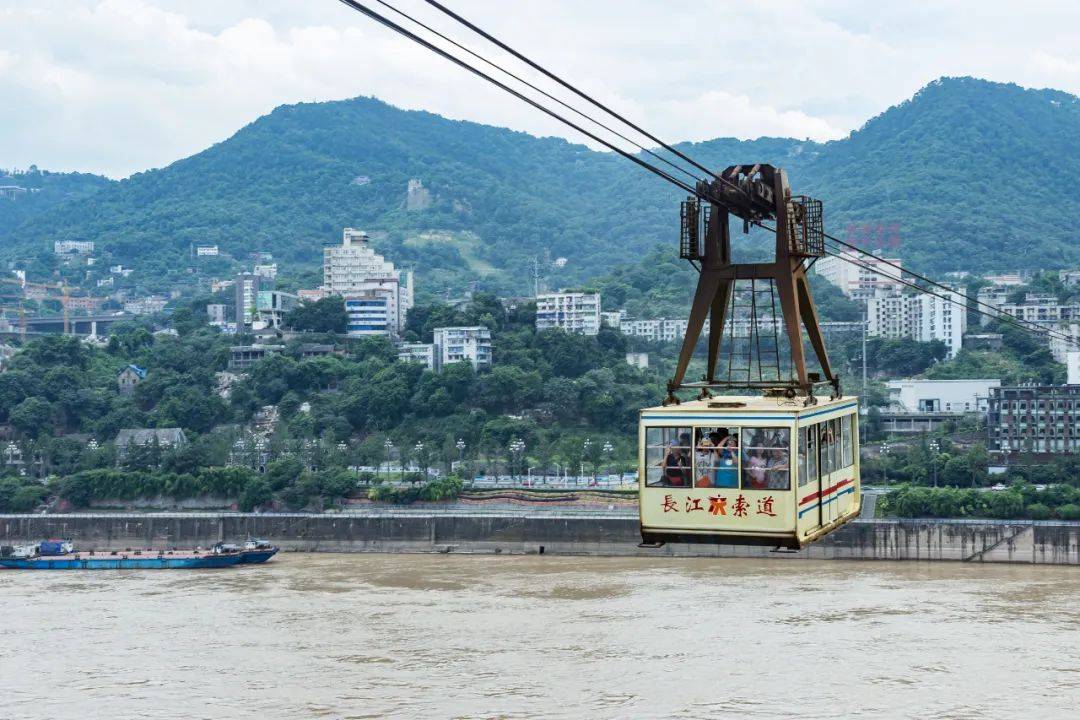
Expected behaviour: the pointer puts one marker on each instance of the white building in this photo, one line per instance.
(247, 287)
(574, 312)
(1072, 362)
(145, 306)
(76, 247)
(1066, 338)
(638, 359)
(371, 313)
(1043, 308)
(268, 271)
(1005, 280)
(423, 353)
(206, 251)
(919, 317)
(216, 314)
(995, 297)
(858, 281)
(463, 344)
(658, 330)
(940, 396)
(612, 318)
(355, 271)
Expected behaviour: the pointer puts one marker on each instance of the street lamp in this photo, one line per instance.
(584, 453)
(460, 445)
(517, 447)
(389, 448)
(608, 449)
(935, 447)
(418, 451)
(885, 447)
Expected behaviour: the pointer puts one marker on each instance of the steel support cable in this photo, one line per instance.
(543, 92)
(998, 314)
(382, 20)
(536, 66)
(915, 275)
(1002, 316)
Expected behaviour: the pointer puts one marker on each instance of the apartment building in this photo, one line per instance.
(658, 330)
(574, 312)
(858, 276)
(1039, 419)
(919, 317)
(73, 247)
(356, 272)
(463, 344)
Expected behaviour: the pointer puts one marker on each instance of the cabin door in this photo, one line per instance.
(809, 488)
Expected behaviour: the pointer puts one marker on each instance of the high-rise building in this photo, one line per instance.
(574, 312)
(356, 272)
(463, 344)
(919, 317)
(858, 277)
(659, 330)
(247, 287)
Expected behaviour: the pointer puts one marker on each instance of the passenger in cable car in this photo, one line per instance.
(727, 456)
(777, 468)
(705, 458)
(676, 466)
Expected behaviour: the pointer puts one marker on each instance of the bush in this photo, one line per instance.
(1069, 512)
(1038, 511)
(256, 492)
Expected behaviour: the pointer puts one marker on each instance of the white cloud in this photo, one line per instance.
(118, 86)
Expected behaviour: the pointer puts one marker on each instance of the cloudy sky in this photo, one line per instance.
(119, 86)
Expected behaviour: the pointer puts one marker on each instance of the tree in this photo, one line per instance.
(325, 316)
(33, 417)
(256, 493)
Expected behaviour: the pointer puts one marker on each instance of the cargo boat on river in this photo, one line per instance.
(61, 555)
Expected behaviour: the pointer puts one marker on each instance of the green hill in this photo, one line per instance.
(975, 175)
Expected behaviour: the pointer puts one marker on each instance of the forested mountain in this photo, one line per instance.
(33, 192)
(970, 174)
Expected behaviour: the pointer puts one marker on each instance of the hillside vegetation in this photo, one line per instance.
(953, 168)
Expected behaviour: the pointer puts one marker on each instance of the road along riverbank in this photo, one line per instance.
(542, 532)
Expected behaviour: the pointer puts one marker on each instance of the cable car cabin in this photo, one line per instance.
(748, 471)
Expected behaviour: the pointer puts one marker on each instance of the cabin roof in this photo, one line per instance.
(741, 404)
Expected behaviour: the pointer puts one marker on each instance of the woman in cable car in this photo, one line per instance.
(721, 471)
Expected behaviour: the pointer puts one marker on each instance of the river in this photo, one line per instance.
(445, 636)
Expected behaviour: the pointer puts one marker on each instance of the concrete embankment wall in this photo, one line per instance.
(549, 532)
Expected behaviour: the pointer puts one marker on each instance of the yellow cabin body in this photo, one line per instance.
(748, 470)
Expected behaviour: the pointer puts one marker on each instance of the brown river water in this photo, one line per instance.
(434, 636)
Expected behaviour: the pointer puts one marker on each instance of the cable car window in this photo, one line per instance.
(667, 457)
(766, 459)
(812, 453)
(829, 448)
(802, 456)
(716, 457)
(848, 429)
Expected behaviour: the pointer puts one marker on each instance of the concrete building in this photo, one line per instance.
(164, 438)
(216, 314)
(983, 341)
(247, 287)
(266, 270)
(574, 312)
(463, 344)
(1005, 280)
(129, 378)
(271, 307)
(918, 317)
(1070, 278)
(1072, 365)
(658, 330)
(1044, 309)
(1066, 338)
(206, 251)
(145, 306)
(1038, 419)
(242, 357)
(918, 406)
(612, 318)
(857, 281)
(73, 247)
(423, 353)
(638, 359)
(357, 273)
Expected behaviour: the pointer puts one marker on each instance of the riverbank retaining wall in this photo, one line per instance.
(1055, 543)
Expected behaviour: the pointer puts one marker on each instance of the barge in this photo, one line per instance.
(62, 555)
